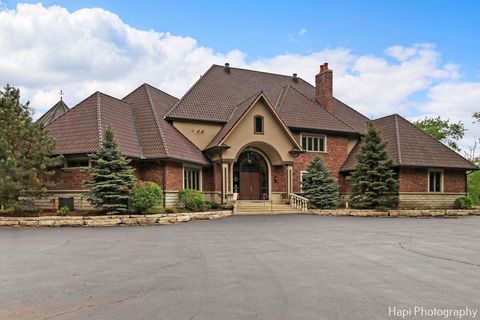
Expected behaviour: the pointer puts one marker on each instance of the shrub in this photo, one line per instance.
(464, 202)
(63, 211)
(25, 206)
(145, 196)
(192, 199)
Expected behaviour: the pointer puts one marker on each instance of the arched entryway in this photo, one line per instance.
(251, 175)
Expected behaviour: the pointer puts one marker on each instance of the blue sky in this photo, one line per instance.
(267, 28)
(416, 58)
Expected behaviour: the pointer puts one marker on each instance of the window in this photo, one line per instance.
(258, 124)
(314, 143)
(435, 181)
(302, 173)
(191, 178)
(77, 163)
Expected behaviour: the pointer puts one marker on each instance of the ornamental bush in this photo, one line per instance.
(464, 202)
(193, 200)
(374, 184)
(318, 186)
(145, 196)
(111, 177)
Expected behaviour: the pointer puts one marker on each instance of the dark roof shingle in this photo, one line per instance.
(409, 146)
(80, 129)
(53, 113)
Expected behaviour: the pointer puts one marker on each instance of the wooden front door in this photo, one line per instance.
(250, 185)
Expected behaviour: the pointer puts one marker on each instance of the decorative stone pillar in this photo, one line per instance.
(289, 181)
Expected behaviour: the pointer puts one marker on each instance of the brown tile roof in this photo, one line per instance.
(354, 118)
(409, 146)
(301, 112)
(53, 113)
(138, 122)
(158, 137)
(215, 96)
(80, 129)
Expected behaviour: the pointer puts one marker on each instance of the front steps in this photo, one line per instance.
(266, 207)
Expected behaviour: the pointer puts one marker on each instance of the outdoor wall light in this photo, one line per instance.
(275, 179)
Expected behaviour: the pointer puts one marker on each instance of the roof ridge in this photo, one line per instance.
(315, 102)
(99, 118)
(432, 138)
(151, 86)
(135, 125)
(150, 102)
(283, 94)
(265, 72)
(397, 134)
(188, 91)
(354, 110)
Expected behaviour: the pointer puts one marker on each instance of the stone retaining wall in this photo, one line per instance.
(113, 220)
(396, 213)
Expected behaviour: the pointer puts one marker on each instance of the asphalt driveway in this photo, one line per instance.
(250, 267)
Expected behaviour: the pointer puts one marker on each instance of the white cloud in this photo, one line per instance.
(45, 49)
(302, 31)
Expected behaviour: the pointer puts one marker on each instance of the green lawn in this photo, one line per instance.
(474, 186)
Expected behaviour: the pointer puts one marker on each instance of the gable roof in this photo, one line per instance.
(81, 128)
(53, 113)
(238, 114)
(216, 95)
(158, 137)
(137, 120)
(407, 145)
(301, 112)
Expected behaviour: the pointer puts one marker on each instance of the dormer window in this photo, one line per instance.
(258, 124)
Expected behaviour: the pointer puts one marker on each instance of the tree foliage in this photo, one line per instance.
(443, 130)
(318, 186)
(145, 196)
(111, 177)
(374, 184)
(25, 150)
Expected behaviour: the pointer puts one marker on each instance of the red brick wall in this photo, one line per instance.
(173, 176)
(153, 171)
(69, 179)
(416, 180)
(454, 181)
(337, 152)
(281, 173)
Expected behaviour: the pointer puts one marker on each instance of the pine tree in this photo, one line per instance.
(26, 159)
(374, 184)
(318, 186)
(111, 177)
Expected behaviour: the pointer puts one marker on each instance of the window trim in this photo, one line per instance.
(441, 180)
(255, 124)
(313, 135)
(66, 167)
(200, 179)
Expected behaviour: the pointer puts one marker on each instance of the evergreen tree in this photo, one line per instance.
(25, 150)
(374, 185)
(318, 186)
(111, 177)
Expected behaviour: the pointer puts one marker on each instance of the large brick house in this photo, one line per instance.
(247, 132)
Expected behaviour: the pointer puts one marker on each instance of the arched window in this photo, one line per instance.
(258, 124)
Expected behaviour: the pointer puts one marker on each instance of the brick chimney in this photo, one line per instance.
(324, 87)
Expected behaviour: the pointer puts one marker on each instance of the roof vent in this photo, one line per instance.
(295, 78)
(227, 67)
